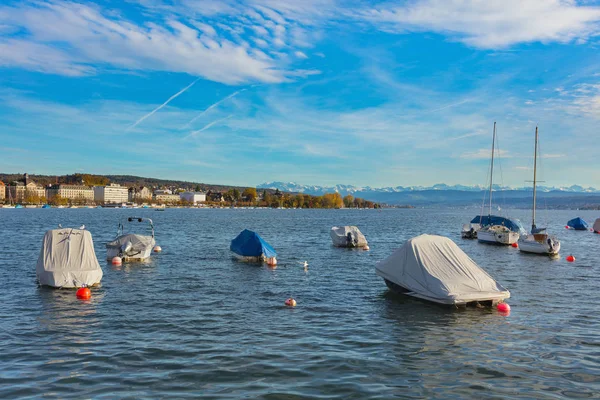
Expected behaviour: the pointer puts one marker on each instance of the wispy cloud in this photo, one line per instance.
(491, 24)
(136, 123)
(213, 106)
(207, 126)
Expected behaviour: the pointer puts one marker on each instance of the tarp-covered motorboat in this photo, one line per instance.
(249, 246)
(68, 260)
(347, 236)
(578, 224)
(498, 230)
(434, 268)
(131, 246)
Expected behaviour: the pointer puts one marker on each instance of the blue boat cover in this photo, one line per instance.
(250, 244)
(578, 224)
(511, 223)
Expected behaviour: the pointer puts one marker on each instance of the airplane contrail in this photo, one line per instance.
(163, 104)
(212, 106)
(205, 127)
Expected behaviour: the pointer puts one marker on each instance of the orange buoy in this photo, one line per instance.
(570, 258)
(271, 261)
(117, 261)
(515, 245)
(157, 249)
(290, 302)
(84, 293)
(503, 307)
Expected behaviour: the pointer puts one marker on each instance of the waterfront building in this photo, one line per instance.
(215, 196)
(25, 190)
(167, 198)
(112, 193)
(141, 194)
(2, 191)
(193, 197)
(71, 192)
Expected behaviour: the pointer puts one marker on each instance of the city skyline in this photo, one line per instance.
(319, 93)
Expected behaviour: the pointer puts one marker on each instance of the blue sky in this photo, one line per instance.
(315, 91)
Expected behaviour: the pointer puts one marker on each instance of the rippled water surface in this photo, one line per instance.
(193, 322)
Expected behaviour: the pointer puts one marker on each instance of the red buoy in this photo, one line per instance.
(290, 302)
(570, 258)
(503, 307)
(84, 293)
(157, 249)
(116, 261)
(566, 226)
(515, 245)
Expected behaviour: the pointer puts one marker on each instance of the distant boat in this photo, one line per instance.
(434, 268)
(538, 242)
(347, 236)
(491, 232)
(46, 206)
(578, 224)
(18, 206)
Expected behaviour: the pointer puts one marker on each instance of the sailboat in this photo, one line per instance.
(495, 229)
(538, 242)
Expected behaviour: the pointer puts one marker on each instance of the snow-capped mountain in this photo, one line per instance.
(356, 191)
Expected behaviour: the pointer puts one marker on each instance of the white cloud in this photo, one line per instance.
(484, 154)
(66, 38)
(491, 24)
(300, 54)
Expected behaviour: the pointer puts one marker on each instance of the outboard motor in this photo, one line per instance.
(126, 248)
(349, 240)
(550, 244)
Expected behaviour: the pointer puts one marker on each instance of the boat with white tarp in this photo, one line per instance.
(67, 259)
(131, 246)
(434, 268)
(347, 236)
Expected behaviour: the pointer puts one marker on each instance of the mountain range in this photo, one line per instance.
(574, 196)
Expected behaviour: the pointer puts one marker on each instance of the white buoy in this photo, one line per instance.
(366, 247)
(116, 261)
(157, 249)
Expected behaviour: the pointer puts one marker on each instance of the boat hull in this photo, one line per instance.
(497, 237)
(476, 302)
(542, 247)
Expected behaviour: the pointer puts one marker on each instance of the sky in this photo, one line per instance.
(320, 92)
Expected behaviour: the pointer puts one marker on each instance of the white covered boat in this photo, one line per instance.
(538, 242)
(68, 260)
(347, 236)
(596, 226)
(131, 246)
(434, 268)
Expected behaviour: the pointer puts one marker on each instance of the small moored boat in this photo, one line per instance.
(596, 227)
(578, 224)
(434, 268)
(68, 260)
(347, 236)
(130, 246)
(249, 246)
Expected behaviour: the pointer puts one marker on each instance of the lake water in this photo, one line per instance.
(193, 322)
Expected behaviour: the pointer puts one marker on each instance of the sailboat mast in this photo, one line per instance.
(492, 167)
(534, 178)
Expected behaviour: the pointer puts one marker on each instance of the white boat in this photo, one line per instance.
(347, 236)
(130, 246)
(494, 229)
(68, 260)
(497, 234)
(596, 227)
(538, 241)
(434, 268)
